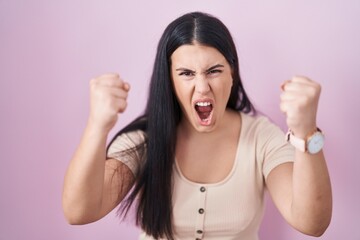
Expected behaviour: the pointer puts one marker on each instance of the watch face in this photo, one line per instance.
(315, 143)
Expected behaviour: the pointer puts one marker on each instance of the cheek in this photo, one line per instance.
(230, 83)
(182, 92)
(226, 87)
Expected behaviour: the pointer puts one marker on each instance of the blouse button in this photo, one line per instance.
(202, 189)
(199, 231)
(201, 210)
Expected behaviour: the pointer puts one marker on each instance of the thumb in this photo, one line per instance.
(126, 86)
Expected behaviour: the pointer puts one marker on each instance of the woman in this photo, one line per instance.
(199, 158)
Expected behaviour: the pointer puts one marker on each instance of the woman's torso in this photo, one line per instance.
(225, 206)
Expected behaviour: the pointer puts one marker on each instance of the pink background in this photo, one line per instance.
(49, 50)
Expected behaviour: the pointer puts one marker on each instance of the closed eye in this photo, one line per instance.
(214, 71)
(186, 73)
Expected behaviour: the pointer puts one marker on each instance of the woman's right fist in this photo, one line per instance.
(108, 94)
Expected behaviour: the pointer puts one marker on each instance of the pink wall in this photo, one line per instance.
(50, 49)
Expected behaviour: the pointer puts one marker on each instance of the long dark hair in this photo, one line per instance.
(153, 185)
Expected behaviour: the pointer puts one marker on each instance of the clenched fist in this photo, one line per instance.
(108, 97)
(299, 101)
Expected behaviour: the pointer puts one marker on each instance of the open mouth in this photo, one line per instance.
(204, 111)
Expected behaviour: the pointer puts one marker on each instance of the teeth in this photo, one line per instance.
(203, 104)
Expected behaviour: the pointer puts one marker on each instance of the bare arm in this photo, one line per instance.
(93, 186)
(302, 191)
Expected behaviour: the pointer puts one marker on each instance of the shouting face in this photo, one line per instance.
(202, 81)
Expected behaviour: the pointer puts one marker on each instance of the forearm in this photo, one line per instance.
(84, 179)
(311, 206)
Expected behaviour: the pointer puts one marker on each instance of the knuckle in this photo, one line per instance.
(318, 87)
(122, 106)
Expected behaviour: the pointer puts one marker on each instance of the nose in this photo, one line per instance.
(202, 84)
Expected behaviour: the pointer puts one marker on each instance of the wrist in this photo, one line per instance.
(312, 143)
(303, 132)
(98, 130)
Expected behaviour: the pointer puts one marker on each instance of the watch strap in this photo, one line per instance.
(298, 143)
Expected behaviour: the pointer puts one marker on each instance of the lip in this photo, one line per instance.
(211, 101)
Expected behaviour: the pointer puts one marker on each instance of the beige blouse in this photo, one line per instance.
(232, 208)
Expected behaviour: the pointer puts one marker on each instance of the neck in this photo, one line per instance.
(186, 130)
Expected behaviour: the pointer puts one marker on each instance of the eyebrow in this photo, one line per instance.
(214, 67)
(207, 70)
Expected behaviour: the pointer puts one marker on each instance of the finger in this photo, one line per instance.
(301, 79)
(122, 105)
(282, 86)
(297, 87)
(289, 107)
(116, 92)
(289, 96)
(110, 80)
(126, 86)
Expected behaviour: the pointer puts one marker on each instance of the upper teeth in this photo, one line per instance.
(203, 104)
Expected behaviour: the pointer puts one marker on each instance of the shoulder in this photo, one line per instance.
(268, 140)
(259, 124)
(126, 141)
(262, 132)
(130, 149)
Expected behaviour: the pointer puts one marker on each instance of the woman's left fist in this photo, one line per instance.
(299, 101)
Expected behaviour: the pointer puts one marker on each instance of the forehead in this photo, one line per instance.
(196, 56)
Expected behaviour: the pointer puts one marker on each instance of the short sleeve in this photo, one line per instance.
(124, 148)
(274, 148)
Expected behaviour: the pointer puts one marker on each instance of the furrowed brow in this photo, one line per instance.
(214, 67)
(184, 69)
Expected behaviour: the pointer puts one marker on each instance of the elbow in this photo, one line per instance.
(77, 221)
(74, 218)
(75, 215)
(316, 228)
(316, 221)
(316, 231)
(323, 226)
